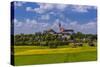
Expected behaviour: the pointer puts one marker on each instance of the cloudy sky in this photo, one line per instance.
(32, 17)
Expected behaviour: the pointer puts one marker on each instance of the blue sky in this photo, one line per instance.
(32, 17)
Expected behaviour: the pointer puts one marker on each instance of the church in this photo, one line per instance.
(65, 33)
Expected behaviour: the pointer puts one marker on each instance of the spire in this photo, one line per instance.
(60, 28)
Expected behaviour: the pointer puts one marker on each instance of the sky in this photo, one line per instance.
(32, 17)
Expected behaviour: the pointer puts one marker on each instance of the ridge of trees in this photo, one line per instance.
(41, 39)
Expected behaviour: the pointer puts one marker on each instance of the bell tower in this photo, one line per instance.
(61, 29)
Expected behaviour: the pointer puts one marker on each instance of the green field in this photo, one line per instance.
(29, 55)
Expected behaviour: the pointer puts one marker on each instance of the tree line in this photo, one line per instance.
(51, 40)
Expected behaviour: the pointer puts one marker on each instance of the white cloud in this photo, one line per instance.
(46, 6)
(17, 23)
(61, 6)
(89, 27)
(19, 4)
(45, 17)
(15, 20)
(34, 24)
(43, 7)
(30, 23)
(30, 26)
(80, 8)
(29, 9)
(73, 23)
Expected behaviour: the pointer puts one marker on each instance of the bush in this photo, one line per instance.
(43, 43)
(91, 44)
(52, 44)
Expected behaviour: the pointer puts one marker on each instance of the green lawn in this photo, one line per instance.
(55, 58)
(28, 55)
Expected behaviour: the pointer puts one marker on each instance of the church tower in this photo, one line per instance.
(61, 29)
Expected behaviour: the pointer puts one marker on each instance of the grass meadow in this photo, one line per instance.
(29, 55)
